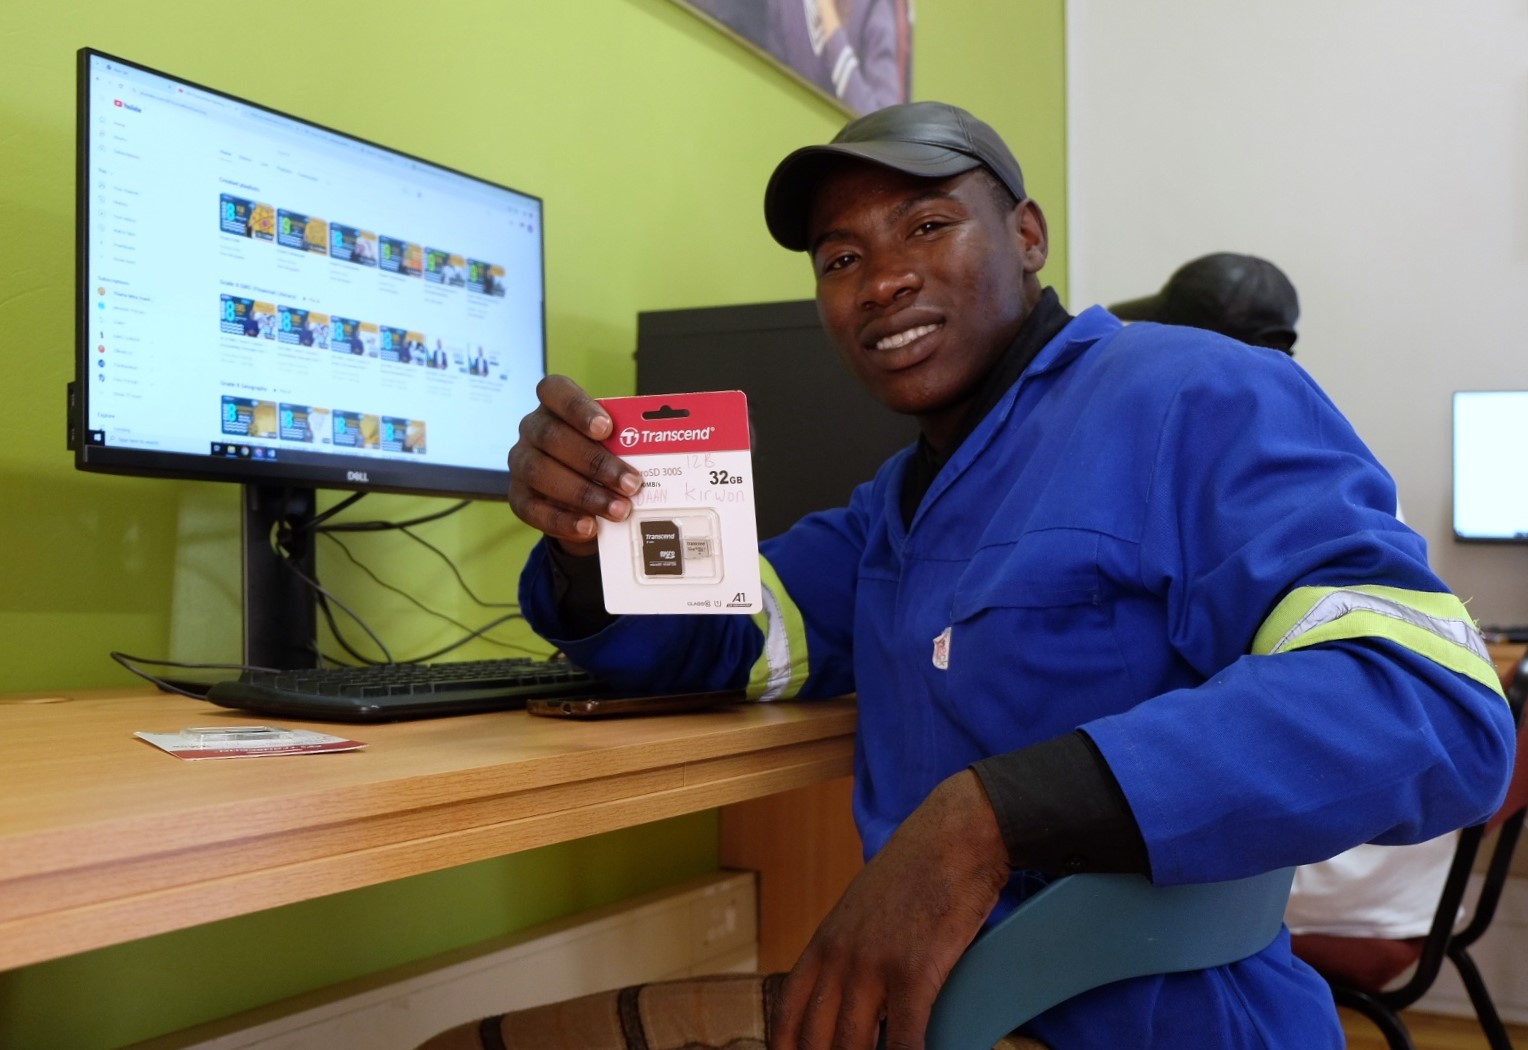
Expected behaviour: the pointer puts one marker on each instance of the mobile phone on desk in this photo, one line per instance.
(626, 706)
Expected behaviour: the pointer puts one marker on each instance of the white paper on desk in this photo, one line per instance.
(292, 742)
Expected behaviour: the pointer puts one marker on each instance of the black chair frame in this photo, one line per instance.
(1442, 940)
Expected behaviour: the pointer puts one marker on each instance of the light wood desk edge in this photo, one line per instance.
(105, 839)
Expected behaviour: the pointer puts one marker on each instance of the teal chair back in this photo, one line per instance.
(1084, 931)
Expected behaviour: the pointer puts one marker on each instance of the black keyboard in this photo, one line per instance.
(389, 692)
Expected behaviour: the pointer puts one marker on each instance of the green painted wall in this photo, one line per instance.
(650, 136)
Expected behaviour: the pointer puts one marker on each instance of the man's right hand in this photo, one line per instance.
(560, 477)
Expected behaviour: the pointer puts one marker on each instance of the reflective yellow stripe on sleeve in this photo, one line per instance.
(782, 666)
(1432, 625)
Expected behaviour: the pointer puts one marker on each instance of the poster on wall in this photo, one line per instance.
(857, 52)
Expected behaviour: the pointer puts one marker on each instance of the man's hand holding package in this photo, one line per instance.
(560, 477)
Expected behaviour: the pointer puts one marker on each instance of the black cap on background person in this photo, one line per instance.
(1241, 296)
(932, 140)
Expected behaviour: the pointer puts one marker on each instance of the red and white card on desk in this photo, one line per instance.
(246, 742)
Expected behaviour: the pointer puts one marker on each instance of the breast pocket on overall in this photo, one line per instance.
(1031, 647)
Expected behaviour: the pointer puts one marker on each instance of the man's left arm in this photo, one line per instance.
(1315, 751)
(1346, 696)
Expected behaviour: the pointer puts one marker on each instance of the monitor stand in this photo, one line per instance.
(280, 610)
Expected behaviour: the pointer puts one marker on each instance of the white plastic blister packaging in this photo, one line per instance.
(691, 542)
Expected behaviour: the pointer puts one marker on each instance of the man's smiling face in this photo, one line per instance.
(922, 283)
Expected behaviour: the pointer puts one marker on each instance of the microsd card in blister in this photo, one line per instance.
(677, 545)
(691, 543)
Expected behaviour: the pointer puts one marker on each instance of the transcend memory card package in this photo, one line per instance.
(691, 542)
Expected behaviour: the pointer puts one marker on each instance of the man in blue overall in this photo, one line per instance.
(1137, 600)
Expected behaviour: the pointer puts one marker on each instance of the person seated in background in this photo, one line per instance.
(1135, 601)
(1241, 296)
(1369, 890)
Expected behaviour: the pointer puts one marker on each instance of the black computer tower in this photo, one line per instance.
(816, 432)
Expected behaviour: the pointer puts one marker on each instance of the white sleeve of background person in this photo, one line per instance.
(1372, 891)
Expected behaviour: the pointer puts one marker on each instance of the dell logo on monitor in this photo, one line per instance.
(356, 475)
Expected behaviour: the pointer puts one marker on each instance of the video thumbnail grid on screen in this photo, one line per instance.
(255, 419)
(240, 315)
(310, 233)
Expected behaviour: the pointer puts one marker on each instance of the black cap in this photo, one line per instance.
(1241, 296)
(929, 139)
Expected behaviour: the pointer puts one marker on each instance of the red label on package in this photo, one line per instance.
(662, 423)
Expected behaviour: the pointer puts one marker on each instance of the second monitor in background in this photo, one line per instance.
(1490, 431)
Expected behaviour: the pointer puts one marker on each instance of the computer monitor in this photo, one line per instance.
(266, 301)
(1490, 446)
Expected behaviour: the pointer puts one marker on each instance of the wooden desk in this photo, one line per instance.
(105, 839)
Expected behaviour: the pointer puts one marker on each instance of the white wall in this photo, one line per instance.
(1377, 151)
